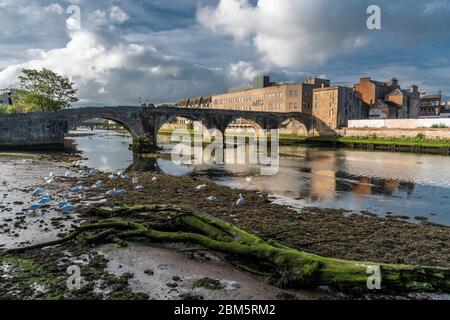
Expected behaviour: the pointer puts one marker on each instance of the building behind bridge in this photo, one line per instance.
(387, 100)
(332, 105)
(7, 96)
(430, 104)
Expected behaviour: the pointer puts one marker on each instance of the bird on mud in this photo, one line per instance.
(97, 185)
(240, 201)
(135, 181)
(201, 187)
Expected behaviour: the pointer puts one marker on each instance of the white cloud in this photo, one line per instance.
(118, 15)
(287, 33)
(109, 70)
(242, 71)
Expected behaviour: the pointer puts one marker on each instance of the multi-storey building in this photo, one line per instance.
(270, 97)
(332, 105)
(430, 104)
(336, 105)
(6, 96)
(387, 99)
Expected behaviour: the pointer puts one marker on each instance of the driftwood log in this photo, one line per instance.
(287, 267)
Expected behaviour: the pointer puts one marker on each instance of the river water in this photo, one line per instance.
(385, 183)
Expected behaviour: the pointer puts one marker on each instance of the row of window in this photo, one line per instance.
(273, 95)
(233, 100)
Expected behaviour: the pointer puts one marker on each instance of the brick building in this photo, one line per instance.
(266, 96)
(336, 105)
(387, 99)
(270, 97)
(430, 104)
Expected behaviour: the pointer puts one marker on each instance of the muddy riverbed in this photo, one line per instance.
(152, 271)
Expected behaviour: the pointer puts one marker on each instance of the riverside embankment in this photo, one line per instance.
(422, 141)
(121, 273)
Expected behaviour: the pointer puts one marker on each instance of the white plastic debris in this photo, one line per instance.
(45, 200)
(139, 188)
(38, 192)
(241, 201)
(77, 189)
(154, 179)
(68, 208)
(114, 192)
(28, 161)
(84, 174)
(33, 207)
(62, 203)
(97, 185)
(212, 198)
(135, 181)
(68, 174)
(113, 177)
(201, 187)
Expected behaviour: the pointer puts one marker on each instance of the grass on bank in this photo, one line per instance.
(419, 140)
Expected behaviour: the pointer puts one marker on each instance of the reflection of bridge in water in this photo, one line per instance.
(49, 129)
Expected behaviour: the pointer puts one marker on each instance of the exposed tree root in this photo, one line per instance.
(286, 266)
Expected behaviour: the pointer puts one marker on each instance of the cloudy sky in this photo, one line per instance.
(117, 51)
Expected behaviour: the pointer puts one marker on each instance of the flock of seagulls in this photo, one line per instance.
(64, 206)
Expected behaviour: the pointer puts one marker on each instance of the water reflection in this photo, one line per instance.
(380, 182)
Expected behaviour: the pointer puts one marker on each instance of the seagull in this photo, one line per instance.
(212, 198)
(49, 180)
(97, 185)
(241, 201)
(154, 179)
(38, 192)
(201, 187)
(84, 175)
(68, 174)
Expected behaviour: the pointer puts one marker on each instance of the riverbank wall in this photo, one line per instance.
(393, 133)
(31, 131)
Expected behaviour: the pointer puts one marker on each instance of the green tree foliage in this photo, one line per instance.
(43, 90)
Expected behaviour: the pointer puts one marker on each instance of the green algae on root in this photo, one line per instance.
(287, 267)
(208, 283)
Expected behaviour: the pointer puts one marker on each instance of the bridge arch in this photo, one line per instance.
(293, 126)
(129, 128)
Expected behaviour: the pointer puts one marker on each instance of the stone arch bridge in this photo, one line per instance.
(49, 129)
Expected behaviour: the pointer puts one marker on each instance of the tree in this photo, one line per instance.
(44, 90)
